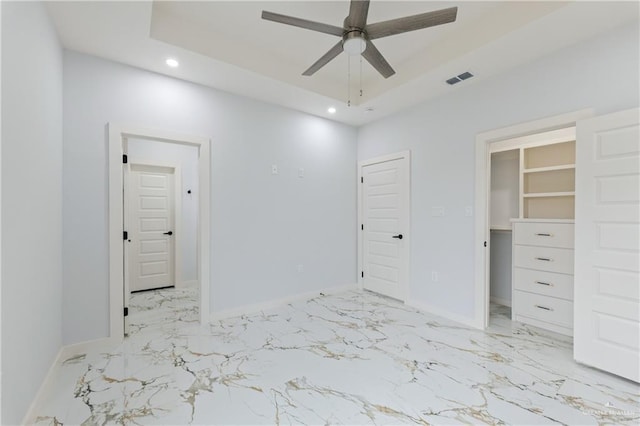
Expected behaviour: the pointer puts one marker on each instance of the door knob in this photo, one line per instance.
(168, 233)
(399, 236)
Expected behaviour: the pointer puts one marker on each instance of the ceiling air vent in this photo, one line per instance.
(459, 78)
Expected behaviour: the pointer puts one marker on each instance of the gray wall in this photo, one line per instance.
(187, 158)
(601, 73)
(505, 178)
(263, 225)
(500, 267)
(505, 188)
(31, 203)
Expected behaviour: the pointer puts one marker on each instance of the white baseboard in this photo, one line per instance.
(187, 284)
(499, 301)
(82, 347)
(43, 391)
(271, 304)
(46, 388)
(470, 322)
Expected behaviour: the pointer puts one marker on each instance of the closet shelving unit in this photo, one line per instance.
(543, 235)
(547, 181)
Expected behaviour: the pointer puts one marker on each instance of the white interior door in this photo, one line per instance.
(607, 254)
(151, 246)
(385, 226)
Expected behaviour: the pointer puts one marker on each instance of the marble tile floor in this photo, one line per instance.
(352, 358)
(163, 309)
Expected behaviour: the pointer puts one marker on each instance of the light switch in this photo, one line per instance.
(300, 172)
(468, 211)
(274, 169)
(437, 211)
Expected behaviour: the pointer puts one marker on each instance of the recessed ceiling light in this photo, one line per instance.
(172, 62)
(331, 110)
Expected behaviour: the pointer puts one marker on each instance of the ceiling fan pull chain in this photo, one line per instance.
(348, 80)
(361, 77)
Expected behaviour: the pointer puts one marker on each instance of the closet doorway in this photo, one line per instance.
(531, 214)
(500, 140)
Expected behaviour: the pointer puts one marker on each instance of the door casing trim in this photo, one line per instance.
(486, 143)
(117, 135)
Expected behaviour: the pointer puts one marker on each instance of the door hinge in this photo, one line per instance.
(485, 243)
(126, 311)
(125, 235)
(362, 274)
(124, 159)
(362, 227)
(361, 179)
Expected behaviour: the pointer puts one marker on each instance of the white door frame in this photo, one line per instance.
(486, 143)
(177, 215)
(117, 140)
(395, 156)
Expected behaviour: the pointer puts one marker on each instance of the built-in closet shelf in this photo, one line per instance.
(547, 178)
(549, 194)
(500, 229)
(550, 168)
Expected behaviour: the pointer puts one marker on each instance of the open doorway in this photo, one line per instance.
(190, 271)
(161, 216)
(504, 206)
(545, 220)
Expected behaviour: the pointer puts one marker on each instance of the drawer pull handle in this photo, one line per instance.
(543, 283)
(544, 259)
(543, 307)
(543, 234)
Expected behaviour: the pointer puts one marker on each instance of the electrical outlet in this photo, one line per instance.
(274, 169)
(434, 276)
(301, 268)
(468, 211)
(300, 172)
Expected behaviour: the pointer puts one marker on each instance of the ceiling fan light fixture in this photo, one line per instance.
(354, 43)
(357, 33)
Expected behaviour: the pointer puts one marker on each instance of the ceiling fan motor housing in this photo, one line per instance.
(354, 42)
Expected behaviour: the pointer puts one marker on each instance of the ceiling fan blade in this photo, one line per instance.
(325, 59)
(375, 58)
(358, 13)
(411, 23)
(303, 23)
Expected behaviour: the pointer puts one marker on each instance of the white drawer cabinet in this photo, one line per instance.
(544, 258)
(543, 274)
(551, 311)
(544, 234)
(543, 282)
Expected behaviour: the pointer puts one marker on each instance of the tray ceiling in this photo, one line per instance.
(226, 45)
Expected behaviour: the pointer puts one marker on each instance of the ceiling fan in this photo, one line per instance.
(357, 35)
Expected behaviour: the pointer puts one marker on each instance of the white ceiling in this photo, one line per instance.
(226, 45)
